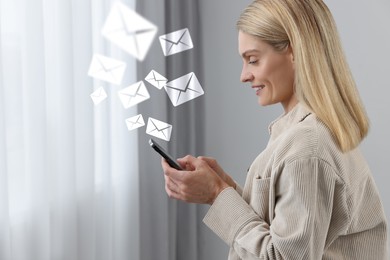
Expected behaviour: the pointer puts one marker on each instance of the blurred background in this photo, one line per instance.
(76, 184)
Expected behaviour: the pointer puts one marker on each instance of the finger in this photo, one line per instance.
(185, 165)
(186, 159)
(209, 160)
(171, 193)
(171, 183)
(171, 172)
(192, 161)
(186, 162)
(172, 189)
(205, 158)
(165, 165)
(213, 164)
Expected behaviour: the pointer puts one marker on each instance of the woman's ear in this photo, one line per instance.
(290, 51)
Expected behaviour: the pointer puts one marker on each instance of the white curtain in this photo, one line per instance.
(68, 169)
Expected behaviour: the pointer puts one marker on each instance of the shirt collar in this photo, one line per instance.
(287, 120)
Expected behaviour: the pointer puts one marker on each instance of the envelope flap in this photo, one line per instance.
(183, 83)
(122, 16)
(134, 119)
(129, 30)
(159, 129)
(155, 76)
(176, 42)
(107, 69)
(135, 122)
(180, 36)
(159, 125)
(138, 119)
(158, 77)
(136, 23)
(137, 89)
(98, 92)
(107, 63)
(131, 90)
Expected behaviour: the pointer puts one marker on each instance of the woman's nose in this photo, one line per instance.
(246, 76)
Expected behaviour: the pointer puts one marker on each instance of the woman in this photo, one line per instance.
(310, 193)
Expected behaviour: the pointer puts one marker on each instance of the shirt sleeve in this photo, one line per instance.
(302, 195)
(238, 188)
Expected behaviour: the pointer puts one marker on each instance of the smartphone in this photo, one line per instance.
(172, 162)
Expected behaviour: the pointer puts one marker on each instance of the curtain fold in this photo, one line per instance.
(170, 227)
(68, 169)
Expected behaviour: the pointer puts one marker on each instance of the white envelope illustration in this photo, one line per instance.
(134, 94)
(98, 95)
(183, 89)
(156, 79)
(129, 31)
(176, 42)
(107, 69)
(135, 122)
(159, 129)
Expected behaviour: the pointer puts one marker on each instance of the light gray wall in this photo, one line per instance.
(237, 127)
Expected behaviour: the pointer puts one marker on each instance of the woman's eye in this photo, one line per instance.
(252, 61)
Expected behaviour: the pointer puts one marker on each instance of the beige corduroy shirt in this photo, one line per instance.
(303, 199)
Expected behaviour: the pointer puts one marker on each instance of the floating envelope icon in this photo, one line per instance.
(98, 95)
(159, 129)
(176, 42)
(156, 79)
(107, 69)
(135, 122)
(134, 94)
(129, 31)
(183, 89)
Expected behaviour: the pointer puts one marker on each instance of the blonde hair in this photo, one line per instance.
(323, 80)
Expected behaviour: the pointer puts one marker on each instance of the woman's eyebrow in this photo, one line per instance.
(246, 53)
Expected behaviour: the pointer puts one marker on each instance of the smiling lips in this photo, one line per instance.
(258, 88)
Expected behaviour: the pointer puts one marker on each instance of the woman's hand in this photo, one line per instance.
(215, 166)
(198, 183)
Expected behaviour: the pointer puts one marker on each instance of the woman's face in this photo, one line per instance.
(270, 72)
